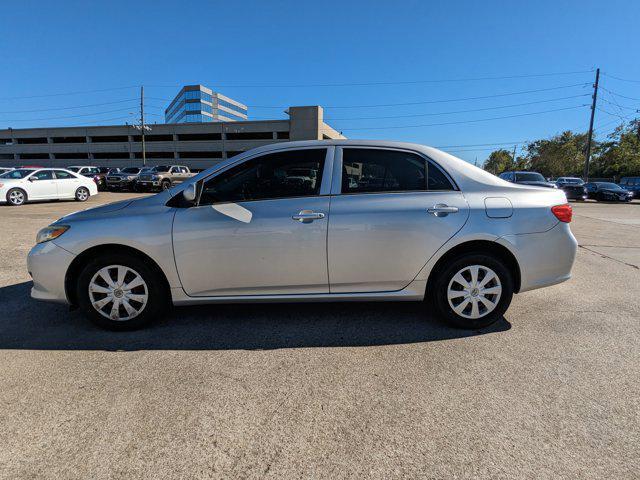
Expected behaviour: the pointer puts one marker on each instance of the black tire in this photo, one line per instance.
(165, 185)
(82, 194)
(16, 197)
(439, 292)
(155, 289)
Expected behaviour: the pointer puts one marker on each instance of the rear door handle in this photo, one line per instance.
(442, 210)
(308, 216)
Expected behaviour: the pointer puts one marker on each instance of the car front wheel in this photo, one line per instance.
(473, 291)
(16, 197)
(120, 292)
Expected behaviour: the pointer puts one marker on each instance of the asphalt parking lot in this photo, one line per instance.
(329, 390)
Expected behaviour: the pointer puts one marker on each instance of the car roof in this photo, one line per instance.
(467, 176)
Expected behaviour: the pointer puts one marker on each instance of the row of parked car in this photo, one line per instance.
(576, 189)
(139, 179)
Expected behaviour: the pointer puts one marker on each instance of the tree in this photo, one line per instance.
(560, 155)
(499, 161)
(620, 156)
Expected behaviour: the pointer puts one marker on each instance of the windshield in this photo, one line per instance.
(161, 168)
(529, 177)
(74, 169)
(131, 170)
(572, 181)
(612, 186)
(17, 174)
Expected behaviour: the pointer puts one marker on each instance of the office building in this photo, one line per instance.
(198, 145)
(198, 104)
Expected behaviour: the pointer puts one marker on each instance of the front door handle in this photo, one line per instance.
(308, 216)
(442, 210)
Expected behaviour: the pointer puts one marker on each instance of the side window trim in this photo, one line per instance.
(325, 186)
(336, 184)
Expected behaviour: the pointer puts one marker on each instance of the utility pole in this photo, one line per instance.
(144, 152)
(587, 155)
(514, 156)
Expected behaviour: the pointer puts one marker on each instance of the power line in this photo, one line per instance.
(381, 83)
(427, 102)
(68, 93)
(621, 79)
(458, 111)
(619, 95)
(69, 108)
(467, 121)
(67, 116)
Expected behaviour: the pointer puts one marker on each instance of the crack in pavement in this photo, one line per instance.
(610, 258)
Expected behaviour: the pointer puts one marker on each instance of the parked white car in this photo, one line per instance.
(25, 184)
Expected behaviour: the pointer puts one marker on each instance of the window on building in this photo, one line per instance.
(199, 137)
(249, 136)
(288, 174)
(69, 139)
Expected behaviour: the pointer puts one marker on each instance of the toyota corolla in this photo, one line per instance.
(375, 221)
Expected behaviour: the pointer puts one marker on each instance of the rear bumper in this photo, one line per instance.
(47, 264)
(545, 258)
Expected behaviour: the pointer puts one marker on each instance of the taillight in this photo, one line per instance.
(563, 212)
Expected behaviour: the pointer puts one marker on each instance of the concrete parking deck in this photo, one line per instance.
(331, 390)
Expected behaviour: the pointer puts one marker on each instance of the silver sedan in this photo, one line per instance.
(334, 220)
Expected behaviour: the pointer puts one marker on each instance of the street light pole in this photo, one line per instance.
(144, 153)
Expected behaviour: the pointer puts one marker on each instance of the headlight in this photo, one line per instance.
(51, 232)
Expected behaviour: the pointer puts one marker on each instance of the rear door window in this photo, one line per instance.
(367, 170)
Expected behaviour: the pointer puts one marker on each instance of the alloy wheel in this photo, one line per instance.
(82, 194)
(16, 197)
(118, 293)
(474, 291)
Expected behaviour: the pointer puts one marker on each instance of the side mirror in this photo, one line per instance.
(32, 178)
(190, 193)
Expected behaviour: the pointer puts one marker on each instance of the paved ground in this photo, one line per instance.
(330, 391)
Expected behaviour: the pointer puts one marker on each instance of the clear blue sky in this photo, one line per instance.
(269, 53)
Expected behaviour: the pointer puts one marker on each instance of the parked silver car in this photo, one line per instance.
(380, 221)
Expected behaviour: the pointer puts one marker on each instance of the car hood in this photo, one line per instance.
(117, 208)
(538, 184)
(621, 191)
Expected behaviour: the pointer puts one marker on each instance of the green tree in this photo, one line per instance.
(499, 161)
(560, 155)
(620, 155)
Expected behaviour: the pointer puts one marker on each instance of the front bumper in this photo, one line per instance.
(48, 264)
(149, 184)
(545, 258)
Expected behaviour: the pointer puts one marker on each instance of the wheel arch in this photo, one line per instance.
(26, 195)
(71, 277)
(478, 246)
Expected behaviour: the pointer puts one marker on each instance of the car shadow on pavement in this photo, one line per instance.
(28, 324)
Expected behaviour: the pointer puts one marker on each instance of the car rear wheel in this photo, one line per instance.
(473, 291)
(120, 292)
(82, 194)
(16, 197)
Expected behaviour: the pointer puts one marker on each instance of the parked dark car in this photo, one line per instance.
(534, 179)
(608, 191)
(573, 187)
(632, 184)
(124, 179)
